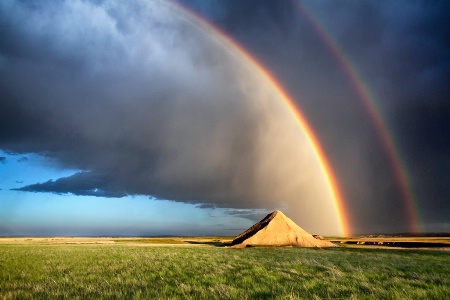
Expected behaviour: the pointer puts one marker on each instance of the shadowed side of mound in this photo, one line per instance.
(278, 230)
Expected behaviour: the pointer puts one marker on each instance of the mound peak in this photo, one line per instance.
(278, 230)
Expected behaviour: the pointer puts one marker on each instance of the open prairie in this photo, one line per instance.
(424, 242)
(200, 268)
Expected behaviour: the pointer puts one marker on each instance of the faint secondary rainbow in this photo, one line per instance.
(229, 44)
(367, 100)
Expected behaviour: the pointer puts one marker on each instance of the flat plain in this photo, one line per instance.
(201, 268)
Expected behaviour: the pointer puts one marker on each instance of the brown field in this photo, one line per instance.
(437, 243)
(131, 241)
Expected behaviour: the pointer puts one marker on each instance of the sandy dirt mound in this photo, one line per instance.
(278, 230)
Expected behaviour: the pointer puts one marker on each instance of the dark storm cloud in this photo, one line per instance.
(254, 215)
(405, 59)
(427, 137)
(22, 159)
(141, 102)
(117, 97)
(236, 15)
(401, 50)
(131, 97)
(82, 183)
(207, 205)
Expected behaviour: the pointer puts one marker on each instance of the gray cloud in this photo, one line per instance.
(401, 51)
(141, 102)
(207, 205)
(254, 215)
(82, 183)
(22, 159)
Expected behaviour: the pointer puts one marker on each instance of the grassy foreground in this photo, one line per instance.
(207, 272)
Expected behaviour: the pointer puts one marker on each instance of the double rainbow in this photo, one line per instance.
(372, 110)
(362, 90)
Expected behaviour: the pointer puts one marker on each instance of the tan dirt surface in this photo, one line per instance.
(278, 230)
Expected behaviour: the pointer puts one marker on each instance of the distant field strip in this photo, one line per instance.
(33, 271)
(403, 242)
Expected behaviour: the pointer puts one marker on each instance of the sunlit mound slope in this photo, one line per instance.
(278, 230)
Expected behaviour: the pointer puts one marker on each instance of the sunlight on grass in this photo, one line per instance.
(92, 271)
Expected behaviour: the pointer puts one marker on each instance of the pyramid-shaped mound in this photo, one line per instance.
(278, 230)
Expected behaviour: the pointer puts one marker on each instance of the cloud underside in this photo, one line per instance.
(144, 103)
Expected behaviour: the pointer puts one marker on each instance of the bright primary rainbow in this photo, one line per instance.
(362, 90)
(229, 44)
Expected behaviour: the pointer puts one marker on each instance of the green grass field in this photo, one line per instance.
(33, 271)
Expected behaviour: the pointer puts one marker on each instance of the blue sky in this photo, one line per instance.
(30, 213)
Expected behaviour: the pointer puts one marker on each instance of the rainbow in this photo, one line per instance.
(369, 104)
(231, 45)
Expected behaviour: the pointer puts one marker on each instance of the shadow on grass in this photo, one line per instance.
(210, 243)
